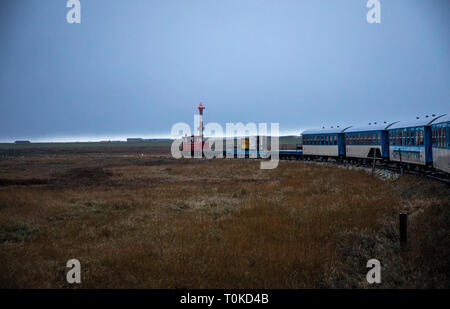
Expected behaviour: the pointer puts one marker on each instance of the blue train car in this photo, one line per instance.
(324, 143)
(410, 142)
(440, 140)
(368, 141)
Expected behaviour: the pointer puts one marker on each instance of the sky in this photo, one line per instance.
(134, 68)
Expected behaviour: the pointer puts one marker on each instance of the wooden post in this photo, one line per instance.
(374, 161)
(403, 218)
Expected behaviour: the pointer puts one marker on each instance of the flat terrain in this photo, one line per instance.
(149, 221)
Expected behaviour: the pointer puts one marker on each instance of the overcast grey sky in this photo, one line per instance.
(136, 67)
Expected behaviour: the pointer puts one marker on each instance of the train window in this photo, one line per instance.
(335, 140)
(446, 133)
(438, 137)
(421, 137)
(434, 137)
(445, 137)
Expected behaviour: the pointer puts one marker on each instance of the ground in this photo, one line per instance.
(145, 220)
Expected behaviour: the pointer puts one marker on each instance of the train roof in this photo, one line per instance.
(374, 127)
(325, 131)
(415, 123)
(442, 119)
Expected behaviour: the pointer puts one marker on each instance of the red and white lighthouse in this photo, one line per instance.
(200, 128)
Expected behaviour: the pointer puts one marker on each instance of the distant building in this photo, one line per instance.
(134, 139)
(22, 142)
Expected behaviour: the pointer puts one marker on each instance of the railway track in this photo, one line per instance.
(380, 166)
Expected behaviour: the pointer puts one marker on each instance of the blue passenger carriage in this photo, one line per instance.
(440, 139)
(324, 143)
(368, 141)
(410, 142)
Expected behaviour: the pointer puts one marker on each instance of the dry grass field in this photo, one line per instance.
(138, 221)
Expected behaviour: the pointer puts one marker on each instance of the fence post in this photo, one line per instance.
(374, 161)
(403, 218)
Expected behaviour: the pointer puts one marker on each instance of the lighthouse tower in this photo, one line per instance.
(200, 128)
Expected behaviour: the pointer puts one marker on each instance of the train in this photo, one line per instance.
(421, 144)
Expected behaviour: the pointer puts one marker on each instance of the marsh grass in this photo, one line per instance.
(163, 223)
